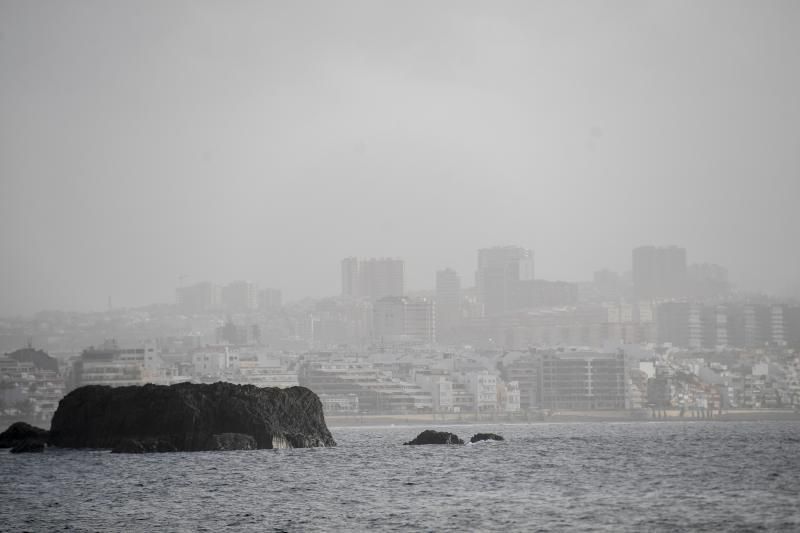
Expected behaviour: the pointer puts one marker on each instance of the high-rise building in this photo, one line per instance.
(240, 296)
(697, 325)
(763, 325)
(350, 284)
(448, 302)
(584, 380)
(373, 278)
(659, 272)
(382, 277)
(706, 281)
(541, 293)
(198, 298)
(269, 299)
(690, 325)
(608, 285)
(672, 319)
(501, 278)
(525, 371)
(421, 319)
(792, 325)
(404, 319)
(389, 318)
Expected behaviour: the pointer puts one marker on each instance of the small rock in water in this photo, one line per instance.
(485, 436)
(20, 433)
(430, 436)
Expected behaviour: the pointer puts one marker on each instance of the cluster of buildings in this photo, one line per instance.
(31, 385)
(655, 378)
(666, 336)
(113, 365)
(724, 379)
(235, 297)
(749, 325)
(662, 299)
(410, 382)
(373, 278)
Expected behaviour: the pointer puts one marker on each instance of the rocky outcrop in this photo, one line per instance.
(143, 446)
(23, 437)
(485, 436)
(30, 446)
(220, 442)
(430, 436)
(189, 417)
(232, 441)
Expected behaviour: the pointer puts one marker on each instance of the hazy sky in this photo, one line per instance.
(143, 141)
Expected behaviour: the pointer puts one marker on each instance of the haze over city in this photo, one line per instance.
(392, 265)
(146, 145)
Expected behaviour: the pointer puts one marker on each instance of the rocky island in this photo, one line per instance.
(23, 438)
(478, 437)
(189, 417)
(430, 436)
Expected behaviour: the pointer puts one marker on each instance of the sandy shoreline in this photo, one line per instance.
(526, 418)
(558, 417)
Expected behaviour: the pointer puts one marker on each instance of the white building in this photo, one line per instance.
(483, 386)
(508, 396)
(265, 371)
(111, 365)
(402, 319)
(215, 361)
(439, 387)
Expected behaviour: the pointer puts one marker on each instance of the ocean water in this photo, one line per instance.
(645, 476)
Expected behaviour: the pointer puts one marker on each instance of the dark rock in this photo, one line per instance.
(21, 432)
(129, 446)
(232, 441)
(30, 446)
(430, 436)
(189, 417)
(485, 436)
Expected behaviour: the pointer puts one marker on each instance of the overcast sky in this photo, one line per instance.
(144, 141)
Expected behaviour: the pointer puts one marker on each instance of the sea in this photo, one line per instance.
(636, 476)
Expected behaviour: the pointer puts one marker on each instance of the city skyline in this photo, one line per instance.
(245, 148)
(258, 287)
(233, 229)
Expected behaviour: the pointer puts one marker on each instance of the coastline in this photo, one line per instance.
(560, 417)
(451, 419)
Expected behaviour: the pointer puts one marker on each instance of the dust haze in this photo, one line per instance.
(149, 145)
(566, 228)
